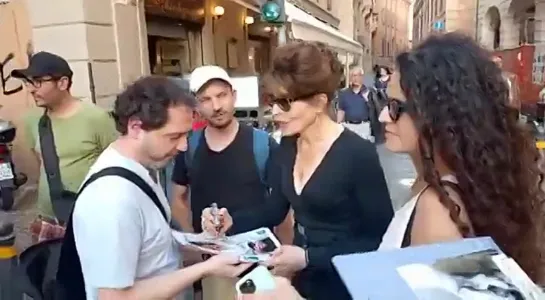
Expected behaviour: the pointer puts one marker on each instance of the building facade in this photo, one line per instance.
(332, 22)
(366, 24)
(110, 43)
(391, 35)
(508, 24)
(431, 16)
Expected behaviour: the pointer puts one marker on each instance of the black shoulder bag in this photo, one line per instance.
(52, 270)
(62, 200)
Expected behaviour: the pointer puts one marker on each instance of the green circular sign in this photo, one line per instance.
(270, 11)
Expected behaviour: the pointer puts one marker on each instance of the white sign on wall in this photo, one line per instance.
(247, 91)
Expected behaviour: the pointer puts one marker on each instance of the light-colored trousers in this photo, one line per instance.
(362, 129)
(218, 288)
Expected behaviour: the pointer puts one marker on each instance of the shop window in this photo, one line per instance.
(173, 57)
(174, 49)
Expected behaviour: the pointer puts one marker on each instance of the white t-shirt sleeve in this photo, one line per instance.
(108, 228)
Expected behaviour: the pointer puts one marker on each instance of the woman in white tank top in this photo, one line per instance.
(476, 167)
(400, 225)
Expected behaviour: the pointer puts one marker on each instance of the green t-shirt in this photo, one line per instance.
(79, 140)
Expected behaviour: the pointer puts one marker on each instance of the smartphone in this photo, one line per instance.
(255, 279)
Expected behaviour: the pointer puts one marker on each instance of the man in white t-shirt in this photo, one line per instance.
(124, 243)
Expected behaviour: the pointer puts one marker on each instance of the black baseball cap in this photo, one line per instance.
(44, 64)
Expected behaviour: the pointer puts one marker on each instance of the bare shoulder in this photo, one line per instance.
(432, 222)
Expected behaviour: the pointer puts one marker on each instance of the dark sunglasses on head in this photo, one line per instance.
(395, 108)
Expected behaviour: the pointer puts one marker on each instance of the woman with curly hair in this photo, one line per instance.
(448, 108)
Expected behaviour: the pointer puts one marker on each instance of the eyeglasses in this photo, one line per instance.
(396, 107)
(37, 82)
(285, 103)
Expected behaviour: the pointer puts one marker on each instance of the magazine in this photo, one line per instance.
(485, 275)
(253, 246)
(440, 271)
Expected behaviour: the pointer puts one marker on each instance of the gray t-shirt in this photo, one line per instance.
(120, 235)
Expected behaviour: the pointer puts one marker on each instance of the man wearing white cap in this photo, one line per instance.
(226, 163)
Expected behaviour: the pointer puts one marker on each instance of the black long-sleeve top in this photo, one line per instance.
(344, 208)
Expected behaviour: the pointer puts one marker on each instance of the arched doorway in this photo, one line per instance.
(492, 28)
(524, 12)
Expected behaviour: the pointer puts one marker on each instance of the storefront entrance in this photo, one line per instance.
(174, 35)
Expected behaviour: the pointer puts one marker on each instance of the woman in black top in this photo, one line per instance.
(330, 176)
(382, 77)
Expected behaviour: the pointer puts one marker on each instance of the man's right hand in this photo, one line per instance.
(208, 224)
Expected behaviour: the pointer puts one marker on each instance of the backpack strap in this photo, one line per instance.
(261, 149)
(192, 144)
(132, 177)
(69, 281)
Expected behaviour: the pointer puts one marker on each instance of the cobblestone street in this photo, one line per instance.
(21, 215)
(400, 174)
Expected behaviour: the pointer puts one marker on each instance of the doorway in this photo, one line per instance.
(259, 54)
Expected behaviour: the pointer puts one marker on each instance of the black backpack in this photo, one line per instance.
(51, 270)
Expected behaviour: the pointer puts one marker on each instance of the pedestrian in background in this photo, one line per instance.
(357, 107)
(66, 135)
(329, 175)
(382, 77)
(198, 121)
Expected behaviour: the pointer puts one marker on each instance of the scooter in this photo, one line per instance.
(9, 179)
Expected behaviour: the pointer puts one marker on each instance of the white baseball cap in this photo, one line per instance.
(202, 75)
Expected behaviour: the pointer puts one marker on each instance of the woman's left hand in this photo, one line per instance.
(287, 260)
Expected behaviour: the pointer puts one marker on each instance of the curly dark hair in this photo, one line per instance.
(149, 99)
(459, 102)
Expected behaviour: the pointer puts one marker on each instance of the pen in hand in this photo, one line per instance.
(214, 210)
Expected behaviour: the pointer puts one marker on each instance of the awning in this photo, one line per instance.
(306, 27)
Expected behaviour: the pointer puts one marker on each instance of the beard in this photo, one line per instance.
(158, 164)
(155, 160)
(221, 124)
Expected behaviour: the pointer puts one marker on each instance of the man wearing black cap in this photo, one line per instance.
(80, 132)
